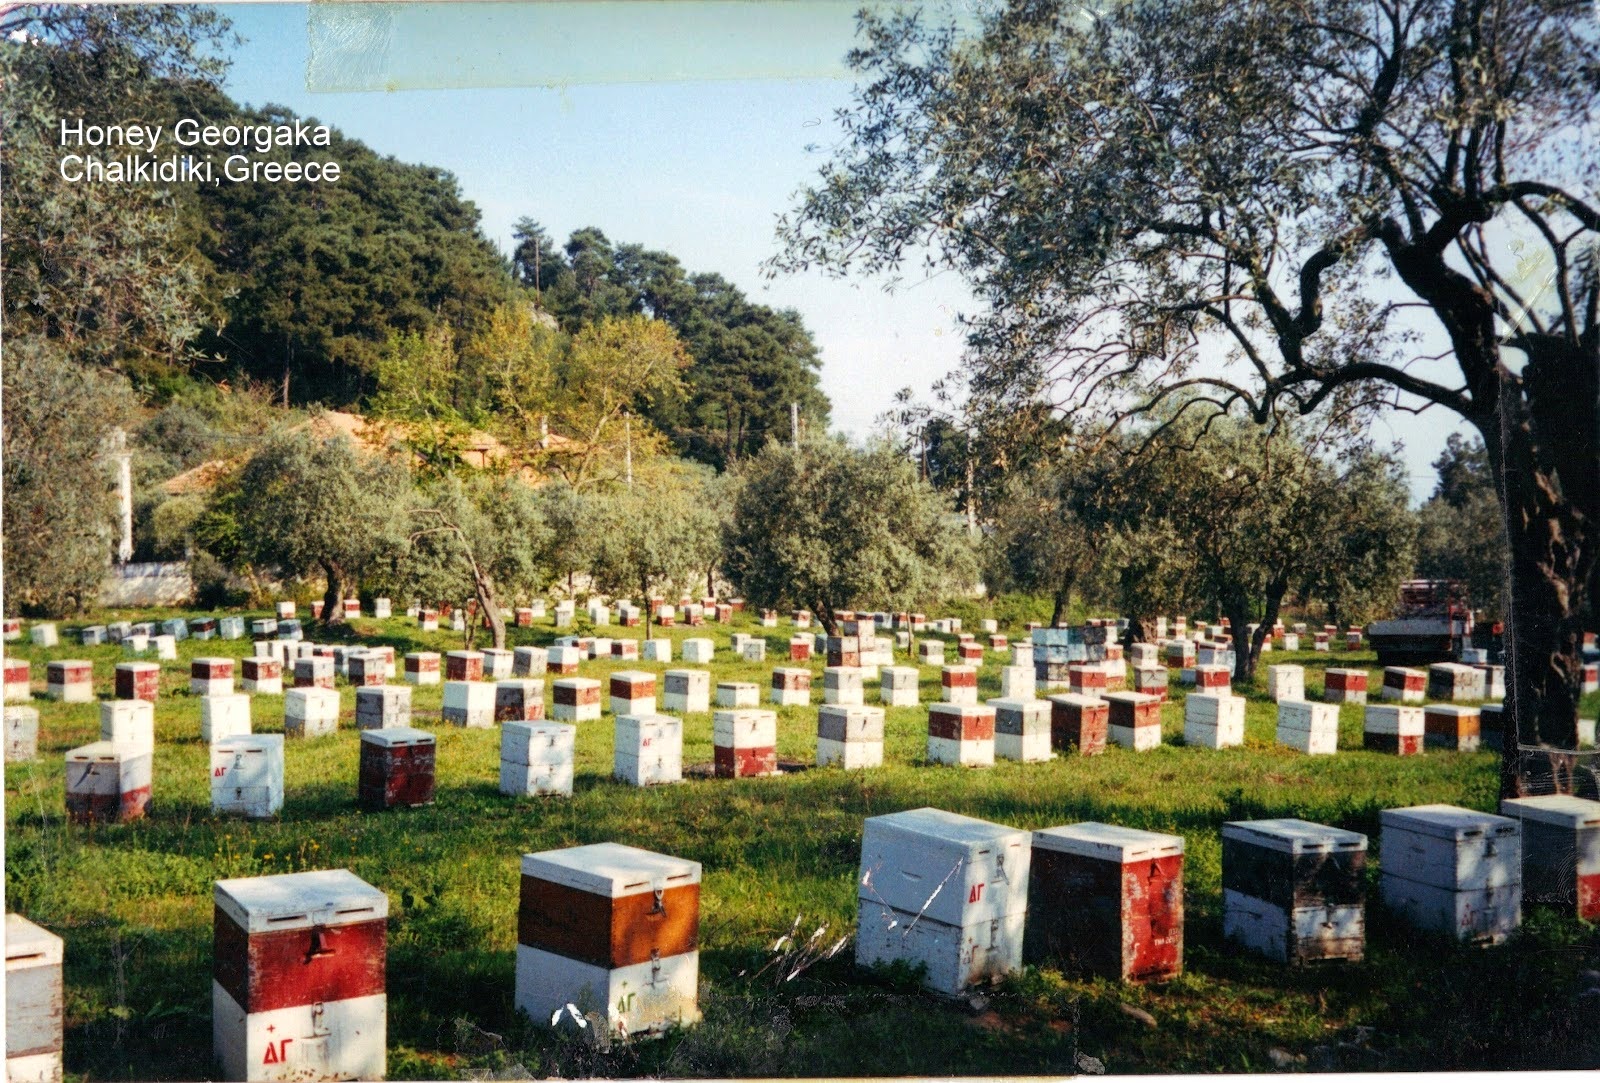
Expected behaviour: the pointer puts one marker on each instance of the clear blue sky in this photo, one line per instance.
(683, 126)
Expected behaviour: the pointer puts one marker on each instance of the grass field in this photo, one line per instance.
(134, 901)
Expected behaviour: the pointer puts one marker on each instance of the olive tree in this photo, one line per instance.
(1258, 206)
(832, 527)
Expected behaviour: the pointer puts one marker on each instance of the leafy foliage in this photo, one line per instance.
(1461, 535)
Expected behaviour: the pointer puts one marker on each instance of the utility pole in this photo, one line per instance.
(794, 425)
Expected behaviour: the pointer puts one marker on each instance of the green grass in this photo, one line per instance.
(134, 901)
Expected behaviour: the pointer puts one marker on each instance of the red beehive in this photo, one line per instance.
(960, 722)
(1133, 711)
(17, 681)
(1211, 678)
(352, 607)
(1407, 685)
(1345, 686)
(316, 610)
(463, 666)
(800, 649)
(844, 651)
(970, 653)
(71, 681)
(1086, 680)
(397, 768)
(1079, 722)
(137, 680)
(1107, 899)
(519, 701)
(524, 617)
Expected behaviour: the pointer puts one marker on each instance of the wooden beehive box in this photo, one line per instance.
(1344, 685)
(791, 686)
(633, 691)
(1134, 720)
(537, 758)
(1404, 685)
(744, 743)
(1454, 682)
(397, 768)
(612, 929)
(128, 722)
(1106, 900)
(1451, 726)
(262, 676)
(1213, 721)
(310, 712)
(648, 749)
(247, 775)
(961, 735)
(108, 783)
(686, 691)
(529, 662)
(224, 716)
(1560, 852)
(18, 687)
(1286, 682)
(1312, 728)
(298, 979)
(575, 699)
(70, 681)
(463, 666)
(210, 676)
(1294, 891)
(1022, 729)
(34, 1002)
(851, 737)
(314, 672)
(843, 685)
(383, 707)
(1079, 723)
(959, 685)
(1453, 871)
(22, 734)
(1397, 729)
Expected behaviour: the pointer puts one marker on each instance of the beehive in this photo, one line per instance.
(961, 734)
(107, 783)
(1293, 890)
(1494, 681)
(210, 676)
(470, 704)
(1399, 730)
(686, 691)
(1213, 721)
(799, 648)
(22, 734)
(633, 691)
(656, 650)
(428, 620)
(13, 629)
(562, 661)
(262, 676)
(314, 672)
(843, 651)
(1286, 682)
(1212, 679)
(93, 635)
(128, 722)
(1086, 679)
(310, 712)
(930, 652)
(1452, 870)
(224, 716)
(698, 651)
(842, 685)
(463, 666)
(648, 749)
(851, 737)
(1451, 726)
(397, 768)
(366, 669)
(1404, 685)
(537, 758)
(247, 775)
(744, 743)
(1151, 681)
(529, 662)
(69, 681)
(34, 1002)
(1022, 729)
(1022, 655)
(575, 699)
(1313, 728)
(519, 700)
(298, 979)
(1344, 686)
(734, 694)
(1133, 720)
(947, 891)
(17, 682)
(611, 929)
(1106, 900)
(44, 635)
(959, 685)
(1079, 723)
(1455, 683)
(791, 686)
(1560, 852)
(1179, 653)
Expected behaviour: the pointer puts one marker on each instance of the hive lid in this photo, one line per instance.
(106, 751)
(1135, 698)
(299, 900)
(633, 675)
(464, 654)
(396, 737)
(947, 828)
(1447, 821)
(248, 742)
(532, 729)
(1076, 699)
(575, 682)
(741, 685)
(1559, 810)
(1454, 709)
(1016, 704)
(611, 870)
(29, 945)
(138, 667)
(1291, 836)
(1108, 842)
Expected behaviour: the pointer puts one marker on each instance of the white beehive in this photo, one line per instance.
(210, 676)
(18, 688)
(166, 647)
(755, 650)
(1404, 685)
(422, 667)
(297, 990)
(961, 735)
(1454, 682)
(1022, 729)
(1022, 655)
(656, 650)
(69, 681)
(1213, 721)
(529, 662)
(34, 1000)
(633, 691)
(22, 734)
(575, 699)
(537, 758)
(310, 712)
(563, 660)
(1134, 720)
(382, 608)
(1396, 729)
(944, 890)
(791, 687)
(247, 775)
(648, 749)
(842, 685)
(733, 694)
(564, 613)
(959, 685)
(107, 783)
(599, 647)
(129, 722)
(744, 743)
(686, 691)
(44, 635)
(698, 652)
(1286, 682)
(930, 652)
(314, 672)
(1560, 851)
(468, 703)
(599, 613)
(383, 706)
(1016, 682)
(851, 737)
(262, 675)
(610, 929)
(1452, 870)
(897, 686)
(1294, 891)
(1313, 728)
(224, 716)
